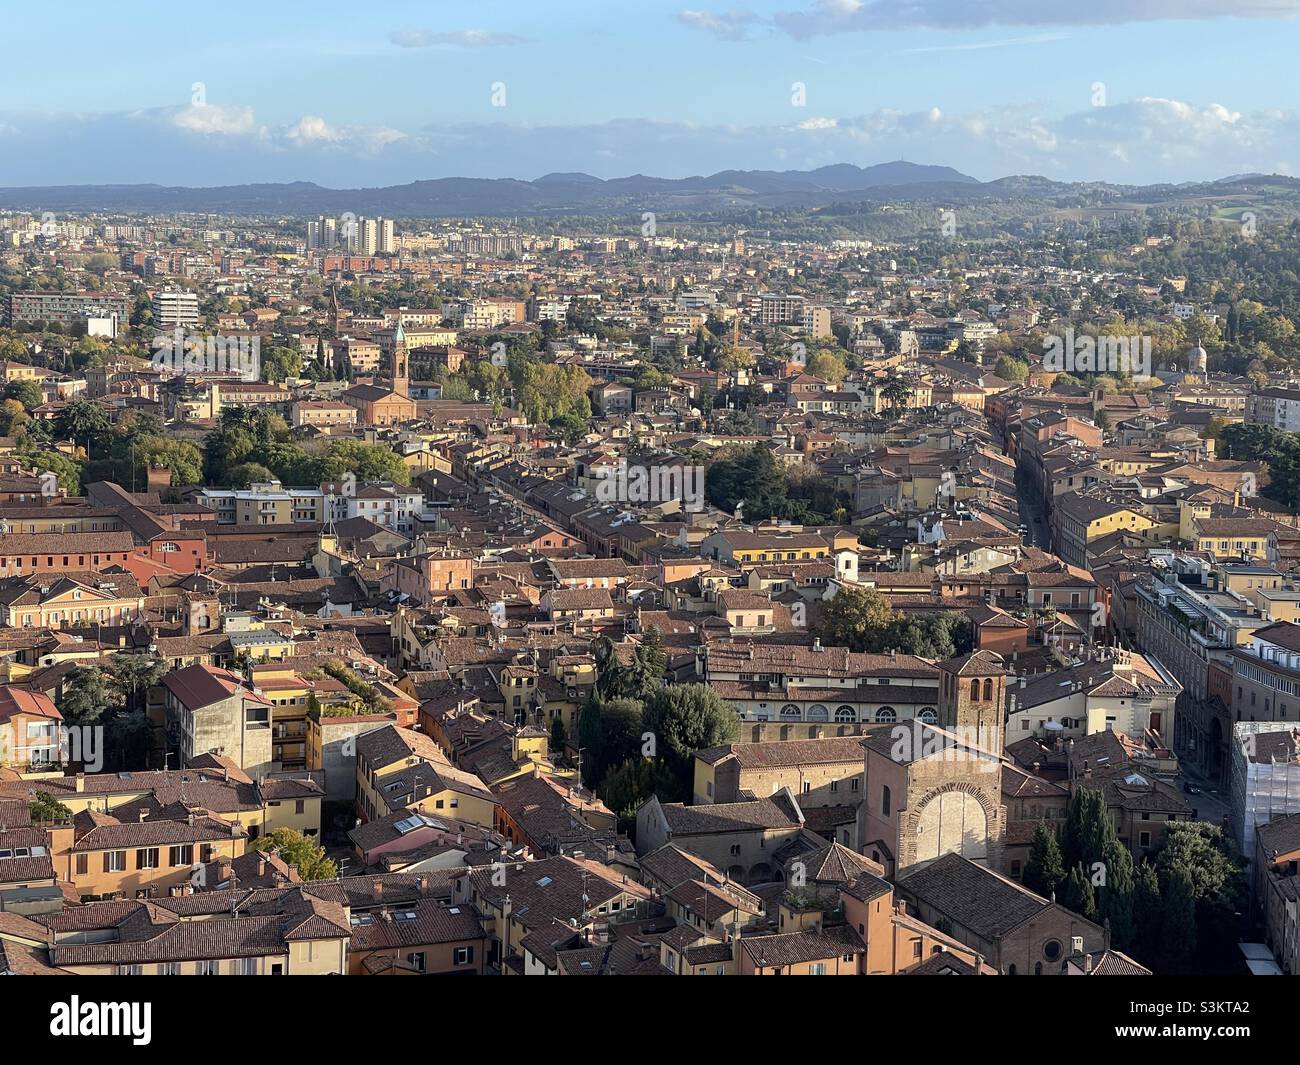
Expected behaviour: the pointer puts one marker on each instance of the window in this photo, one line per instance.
(885, 798)
(1052, 949)
(988, 691)
(886, 713)
(845, 714)
(463, 955)
(416, 959)
(115, 861)
(146, 858)
(928, 715)
(169, 968)
(207, 968)
(83, 864)
(975, 690)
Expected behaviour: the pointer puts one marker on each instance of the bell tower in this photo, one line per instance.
(401, 384)
(972, 698)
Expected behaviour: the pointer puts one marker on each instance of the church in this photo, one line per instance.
(376, 405)
(936, 789)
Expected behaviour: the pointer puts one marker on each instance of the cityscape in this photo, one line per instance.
(834, 568)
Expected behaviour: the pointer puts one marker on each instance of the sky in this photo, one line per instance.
(354, 95)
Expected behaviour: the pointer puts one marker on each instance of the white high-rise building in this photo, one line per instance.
(175, 307)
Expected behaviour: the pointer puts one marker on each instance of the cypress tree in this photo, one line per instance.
(1079, 895)
(1044, 871)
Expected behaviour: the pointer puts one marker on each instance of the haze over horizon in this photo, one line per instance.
(276, 94)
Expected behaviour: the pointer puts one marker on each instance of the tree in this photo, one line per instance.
(279, 363)
(854, 618)
(570, 427)
(247, 473)
(1148, 914)
(685, 718)
(751, 477)
(1086, 830)
(46, 809)
(80, 420)
(86, 694)
(1079, 895)
(368, 462)
(1218, 883)
(133, 675)
(632, 783)
(1178, 929)
(1044, 871)
(28, 393)
(299, 850)
(1115, 896)
(66, 469)
(896, 392)
(649, 662)
(1009, 368)
(828, 366)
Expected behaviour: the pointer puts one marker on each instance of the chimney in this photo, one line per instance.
(261, 867)
(1076, 944)
(377, 890)
(979, 964)
(81, 783)
(423, 884)
(901, 908)
(144, 815)
(1087, 963)
(817, 643)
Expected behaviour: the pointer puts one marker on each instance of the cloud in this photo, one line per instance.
(728, 25)
(417, 38)
(1142, 140)
(823, 17)
(215, 118)
(978, 46)
(311, 129)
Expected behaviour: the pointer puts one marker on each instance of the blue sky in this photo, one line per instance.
(383, 93)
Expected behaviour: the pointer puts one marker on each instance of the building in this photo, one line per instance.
(174, 308)
(66, 308)
(213, 711)
(1016, 931)
(31, 736)
(1264, 778)
(820, 772)
(931, 790)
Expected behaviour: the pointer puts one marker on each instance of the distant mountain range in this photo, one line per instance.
(577, 193)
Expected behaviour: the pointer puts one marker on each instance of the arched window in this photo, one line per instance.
(886, 713)
(818, 713)
(975, 690)
(791, 712)
(928, 715)
(988, 691)
(845, 713)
